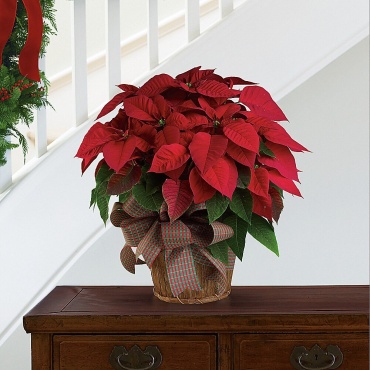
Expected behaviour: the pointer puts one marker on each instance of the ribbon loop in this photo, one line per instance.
(184, 242)
(134, 230)
(29, 55)
(117, 215)
(128, 259)
(151, 244)
(219, 231)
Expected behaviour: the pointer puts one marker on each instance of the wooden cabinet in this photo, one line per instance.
(266, 351)
(93, 352)
(255, 328)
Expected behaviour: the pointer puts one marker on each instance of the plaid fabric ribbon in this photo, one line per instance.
(184, 242)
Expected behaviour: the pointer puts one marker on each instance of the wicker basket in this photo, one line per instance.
(207, 294)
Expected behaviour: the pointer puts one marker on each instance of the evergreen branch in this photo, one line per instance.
(19, 96)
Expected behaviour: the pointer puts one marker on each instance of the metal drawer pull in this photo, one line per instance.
(316, 358)
(135, 358)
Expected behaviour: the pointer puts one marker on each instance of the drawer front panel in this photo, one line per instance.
(273, 352)
(92, 352)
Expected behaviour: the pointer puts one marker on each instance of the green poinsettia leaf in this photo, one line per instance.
(237, 242)
(265, 150)
(216, 206)
(103, 174)
(99, 194)
(220, 251)
(263, 231)
(149, 201)
(244, 177)
(153, 182)
(103, 205)
(93, 198)
(242, 204)
(102, 200)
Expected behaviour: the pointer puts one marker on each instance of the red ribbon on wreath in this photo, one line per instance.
(184, 242)
(29, 55)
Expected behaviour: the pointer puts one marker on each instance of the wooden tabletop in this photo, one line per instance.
(121, 308)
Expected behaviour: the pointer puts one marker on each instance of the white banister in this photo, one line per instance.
(192, 22)
(226, 7)
(41, 142)
(6, 171)
(113, 44)
(79, 67)
(153, 33)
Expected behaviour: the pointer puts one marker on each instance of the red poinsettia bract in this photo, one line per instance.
(192, 137)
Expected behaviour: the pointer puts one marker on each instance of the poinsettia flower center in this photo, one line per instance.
(125, 135)
(188, 84)
(216, 123)
(162, 122)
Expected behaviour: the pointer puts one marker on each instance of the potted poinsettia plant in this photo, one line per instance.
(197, 162)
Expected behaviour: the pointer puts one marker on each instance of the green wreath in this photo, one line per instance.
(20, 96)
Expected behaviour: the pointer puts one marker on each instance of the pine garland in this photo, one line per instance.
(19, 96)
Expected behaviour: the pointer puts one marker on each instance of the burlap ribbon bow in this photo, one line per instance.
(184, 242)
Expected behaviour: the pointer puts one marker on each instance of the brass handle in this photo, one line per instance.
(135, 358)
(127, 365)
(317, 366)
(316, 358)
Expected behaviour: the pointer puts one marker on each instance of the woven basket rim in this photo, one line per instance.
(213, 298)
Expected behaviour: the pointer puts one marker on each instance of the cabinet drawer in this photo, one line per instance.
(92, 352)
(272, 352)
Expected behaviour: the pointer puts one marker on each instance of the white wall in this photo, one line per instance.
(46, 225)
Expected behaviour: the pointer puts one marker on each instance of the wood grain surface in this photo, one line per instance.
(255, 328)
